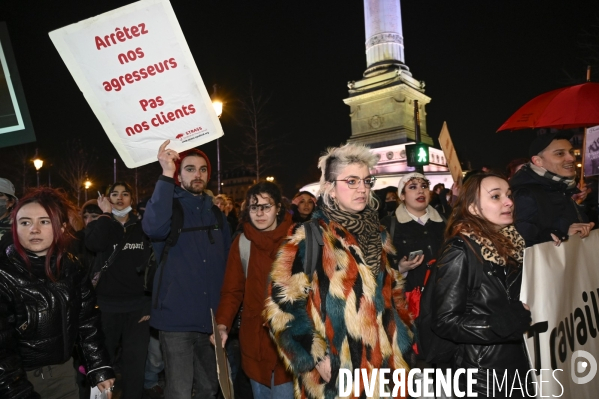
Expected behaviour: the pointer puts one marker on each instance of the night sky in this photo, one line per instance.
(480, 60)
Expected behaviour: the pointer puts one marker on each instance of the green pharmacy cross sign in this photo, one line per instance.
(417, 154)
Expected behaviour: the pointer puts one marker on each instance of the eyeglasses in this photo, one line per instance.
(354, 182)
(263, 208)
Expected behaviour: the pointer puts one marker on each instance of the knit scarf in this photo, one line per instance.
(364, 226)
(489, 252)
(552, 176)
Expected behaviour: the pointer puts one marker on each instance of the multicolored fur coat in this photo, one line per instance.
(360, 320)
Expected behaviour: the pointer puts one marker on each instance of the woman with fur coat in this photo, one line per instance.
(351, 312)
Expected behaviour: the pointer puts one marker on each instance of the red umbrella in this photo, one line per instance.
(566, 108)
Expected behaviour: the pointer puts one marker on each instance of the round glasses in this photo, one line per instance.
(354, 182)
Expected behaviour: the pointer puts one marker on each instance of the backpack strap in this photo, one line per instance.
(314, 244)
(173, 236)
(218, 226)
(392, 227)
(177, 219)
(244, 253)
(100, 268)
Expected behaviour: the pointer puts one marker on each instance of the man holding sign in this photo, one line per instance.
(191, 243)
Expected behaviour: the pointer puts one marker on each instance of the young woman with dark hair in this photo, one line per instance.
(265, 224)
(302, 206)
(120, 244)
(50, 304)
(481, 235)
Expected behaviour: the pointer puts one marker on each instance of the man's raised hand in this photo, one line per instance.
(167, 159)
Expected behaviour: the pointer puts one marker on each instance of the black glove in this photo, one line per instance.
(514, 320)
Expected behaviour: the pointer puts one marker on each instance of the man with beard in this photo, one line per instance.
(543, 190)
(191, 270)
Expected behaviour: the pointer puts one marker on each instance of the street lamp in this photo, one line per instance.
(270, 179)
(38, 165)
(87, 185)
(218, 109)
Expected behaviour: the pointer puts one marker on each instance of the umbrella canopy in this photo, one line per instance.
(566, 108)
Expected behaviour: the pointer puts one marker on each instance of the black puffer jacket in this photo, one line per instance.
(13, 380)
(490, 335)
(49, 318)
(543, 206)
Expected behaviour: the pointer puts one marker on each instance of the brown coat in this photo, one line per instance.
(258, 352)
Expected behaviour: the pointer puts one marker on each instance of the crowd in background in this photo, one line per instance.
(299, 288)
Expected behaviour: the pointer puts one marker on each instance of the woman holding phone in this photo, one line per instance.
(416, 229)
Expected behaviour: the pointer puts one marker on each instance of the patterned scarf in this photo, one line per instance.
(571, 183)
(489, 252)
(365, 227)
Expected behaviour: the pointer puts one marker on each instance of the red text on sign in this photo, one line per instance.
(137, 128)
(152, 103)
(135, 76)
(131, 55)
(162, 118)
(121, 35)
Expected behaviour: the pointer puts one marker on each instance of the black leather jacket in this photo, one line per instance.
(490, 336)
(13, 380)
(48, 318)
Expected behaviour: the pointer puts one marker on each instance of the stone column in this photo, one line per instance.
(384, 36)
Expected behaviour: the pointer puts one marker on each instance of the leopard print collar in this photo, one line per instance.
(488, 250)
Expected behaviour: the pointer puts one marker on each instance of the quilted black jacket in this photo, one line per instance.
(48, 318)
(13, 380)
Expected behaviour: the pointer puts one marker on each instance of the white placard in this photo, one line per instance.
(561, 286)
(96, 394)
(591, 156)
(137, 73)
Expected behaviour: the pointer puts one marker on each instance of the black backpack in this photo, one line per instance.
(177, 219)
(433, 348)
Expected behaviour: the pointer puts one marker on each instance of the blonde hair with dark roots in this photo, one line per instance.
(332, 163)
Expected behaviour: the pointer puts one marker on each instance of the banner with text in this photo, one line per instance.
(591, 156)
(561, 286)
(137, 73)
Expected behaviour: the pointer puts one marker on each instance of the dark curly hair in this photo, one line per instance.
(251, 197)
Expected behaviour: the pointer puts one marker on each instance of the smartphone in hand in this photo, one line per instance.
(414, 254)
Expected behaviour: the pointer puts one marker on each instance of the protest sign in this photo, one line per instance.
(591, 156)
(137, 73)
(222, 364)
(450, 155)
(561, 286)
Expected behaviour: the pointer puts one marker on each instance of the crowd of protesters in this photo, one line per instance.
(299, 289)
